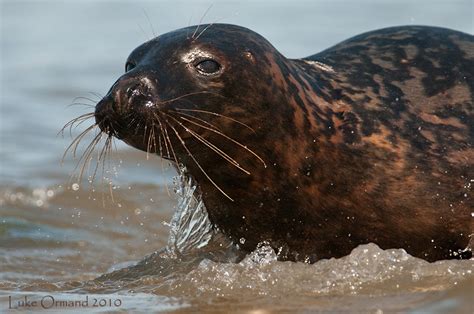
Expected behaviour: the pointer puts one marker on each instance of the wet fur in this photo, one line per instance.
(368, 141)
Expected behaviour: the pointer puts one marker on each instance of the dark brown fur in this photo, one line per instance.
(368, 141)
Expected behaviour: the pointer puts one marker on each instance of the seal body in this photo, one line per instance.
(368, 141)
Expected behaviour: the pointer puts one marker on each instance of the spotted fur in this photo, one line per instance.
(368, 141)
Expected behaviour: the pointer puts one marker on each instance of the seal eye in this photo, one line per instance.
(208, 66)
(129, 66)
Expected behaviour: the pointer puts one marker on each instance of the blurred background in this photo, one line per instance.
(55, 51)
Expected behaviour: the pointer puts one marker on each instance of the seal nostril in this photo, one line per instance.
(133, 91)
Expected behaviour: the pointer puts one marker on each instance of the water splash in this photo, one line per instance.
(190, 224)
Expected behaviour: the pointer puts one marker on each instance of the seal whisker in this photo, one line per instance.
(81, 104)
(211, 146)
(164, 136)
(144, 138)
(186, 95)
(161, 162)
(200, 120)
(85, 159)
(75, 121)
(189, 24)
(227, 137)
(148, 144)
(176, 162)
(75, 142)
(160, 148)
(110, 148)
(137, 127)
(101, 159)
(107, 152)
(205, 28)
(132, 122)
(150, 23)
(154, 137)
(144, 33)
(200, 21)
(78, 123)
(98, 95)
(84, 98)
(101, 156)
(88, 152)
(197, 163)
(171, 147)
(218, 115)
(208, 26)
(167, 137)
(151, 140)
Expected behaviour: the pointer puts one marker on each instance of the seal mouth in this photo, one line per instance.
(133, 117)
(105, 118)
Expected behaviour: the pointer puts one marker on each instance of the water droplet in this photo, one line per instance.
(75, 186)
(242, 240)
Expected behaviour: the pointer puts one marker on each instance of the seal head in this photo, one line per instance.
(177, 71)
